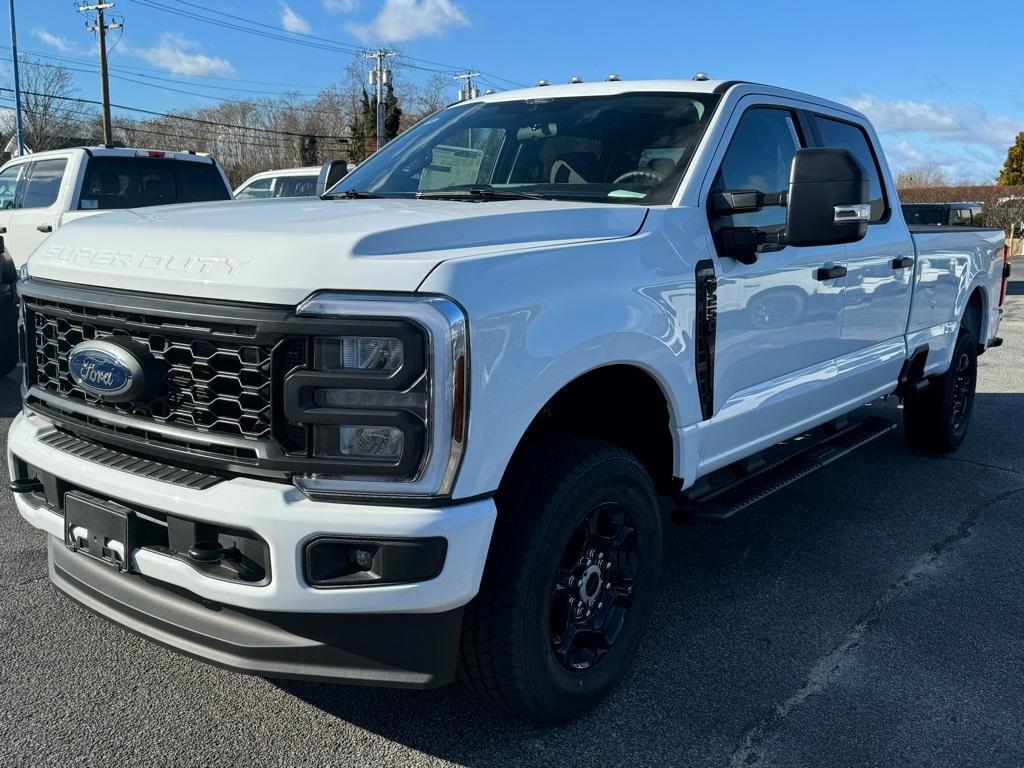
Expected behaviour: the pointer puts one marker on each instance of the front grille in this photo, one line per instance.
(210, 383)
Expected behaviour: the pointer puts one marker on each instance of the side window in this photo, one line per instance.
(9, 186)
(835, 133)
(258, 189)
(255, 190)
(43, 184)
(759, 157)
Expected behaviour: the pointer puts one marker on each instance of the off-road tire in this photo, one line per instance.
(935, 420)
(508, 652)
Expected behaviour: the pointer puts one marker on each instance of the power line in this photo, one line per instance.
(198, 120)
(296, 38)
(149, 129)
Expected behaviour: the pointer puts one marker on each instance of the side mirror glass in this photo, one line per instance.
(828, 202)
(331, 173)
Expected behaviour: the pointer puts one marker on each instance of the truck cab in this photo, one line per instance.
(42, 191)
(426, 424)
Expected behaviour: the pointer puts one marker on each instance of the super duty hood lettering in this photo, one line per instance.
(273, 251)
(118, 259)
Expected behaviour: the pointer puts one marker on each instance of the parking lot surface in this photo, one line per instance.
(869, 615)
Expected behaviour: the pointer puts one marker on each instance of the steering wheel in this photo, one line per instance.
(640, 174)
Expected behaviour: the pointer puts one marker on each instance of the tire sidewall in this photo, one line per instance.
(619, 480)
(965, 345)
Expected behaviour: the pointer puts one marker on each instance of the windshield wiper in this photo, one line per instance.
(478, 194)
(350, 194)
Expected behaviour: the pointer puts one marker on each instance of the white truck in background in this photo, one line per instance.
(41, 192)
(421, 426)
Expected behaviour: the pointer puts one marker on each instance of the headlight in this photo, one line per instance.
(378, 404)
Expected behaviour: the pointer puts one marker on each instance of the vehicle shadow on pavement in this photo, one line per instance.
(751, 611)
(10, 394)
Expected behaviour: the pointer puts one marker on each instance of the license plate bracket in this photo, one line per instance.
(99, 528)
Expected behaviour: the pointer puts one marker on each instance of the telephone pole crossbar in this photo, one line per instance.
(101, 27)
(380, 77)
(470, 91)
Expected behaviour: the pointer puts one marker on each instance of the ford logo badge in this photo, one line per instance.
(106, 369)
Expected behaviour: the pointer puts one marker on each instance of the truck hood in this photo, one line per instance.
(279, 251)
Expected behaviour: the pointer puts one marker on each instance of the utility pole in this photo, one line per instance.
(17, 85)
(469, 92)
(380, 77)
(101, 27)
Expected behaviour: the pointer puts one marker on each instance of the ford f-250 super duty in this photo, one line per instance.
(420, 427)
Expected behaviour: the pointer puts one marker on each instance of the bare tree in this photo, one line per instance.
(922, 176)
(50, 117)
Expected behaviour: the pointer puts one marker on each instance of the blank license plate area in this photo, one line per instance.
(98, 528)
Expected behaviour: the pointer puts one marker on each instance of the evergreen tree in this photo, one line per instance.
(392, 113)
(1013, 169)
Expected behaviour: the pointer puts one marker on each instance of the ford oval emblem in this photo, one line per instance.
(105, 369)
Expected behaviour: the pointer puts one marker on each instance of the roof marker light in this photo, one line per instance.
(701, 77)
(575, 80)
(613, 78)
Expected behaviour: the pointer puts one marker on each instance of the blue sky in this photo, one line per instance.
(943, 81)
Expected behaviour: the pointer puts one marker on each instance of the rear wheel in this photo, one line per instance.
(570, 581)
(935, 420)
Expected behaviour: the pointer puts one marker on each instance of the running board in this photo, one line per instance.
(823, 446)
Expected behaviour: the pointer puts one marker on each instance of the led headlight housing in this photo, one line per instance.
(378, 402)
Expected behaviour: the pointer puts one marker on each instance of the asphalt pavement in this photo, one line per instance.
(869, 615)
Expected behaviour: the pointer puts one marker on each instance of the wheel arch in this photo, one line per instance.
(642, 421)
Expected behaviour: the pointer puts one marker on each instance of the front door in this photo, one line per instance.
(37, 208)
(778, 318)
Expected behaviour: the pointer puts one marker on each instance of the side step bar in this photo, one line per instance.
(812, 451)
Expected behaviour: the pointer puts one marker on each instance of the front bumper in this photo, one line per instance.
(413, 650)
(394, 634)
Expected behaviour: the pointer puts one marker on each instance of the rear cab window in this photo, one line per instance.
(135, 182)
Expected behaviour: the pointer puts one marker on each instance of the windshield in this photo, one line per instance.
(629, 148)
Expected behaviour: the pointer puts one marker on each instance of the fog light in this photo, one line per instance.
(341, 562)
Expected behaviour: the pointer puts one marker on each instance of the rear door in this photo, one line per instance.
(41, 196)
(777, 322)
(871, 347)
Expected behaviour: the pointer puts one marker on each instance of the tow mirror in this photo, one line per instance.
(828, 202)
(331, 173)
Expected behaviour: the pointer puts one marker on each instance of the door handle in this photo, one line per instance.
(903, 262)
(44, 228)
(829, 273)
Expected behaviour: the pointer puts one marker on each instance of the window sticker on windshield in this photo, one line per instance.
(90, 204)
(451, 167)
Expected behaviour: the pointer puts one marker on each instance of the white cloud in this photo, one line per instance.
(401, 20)
(340, 6)
(178, 55)
(963, 139)
(954, 122)
(291, 21)
(57, 42)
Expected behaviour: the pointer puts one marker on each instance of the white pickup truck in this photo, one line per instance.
(42, 191)
(420, 427)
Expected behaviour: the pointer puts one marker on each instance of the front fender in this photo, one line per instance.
(539, 320)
